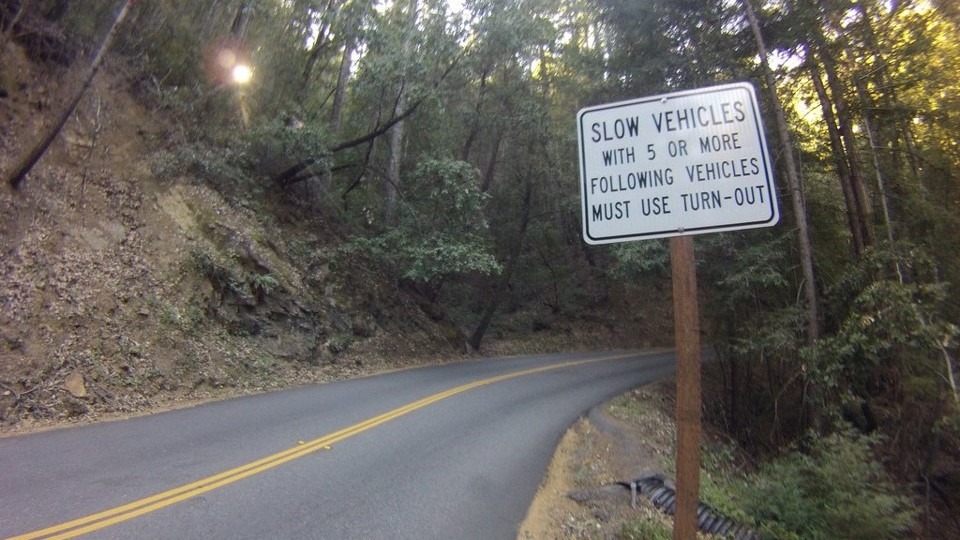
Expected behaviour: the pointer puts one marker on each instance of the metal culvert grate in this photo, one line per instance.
(664, 498)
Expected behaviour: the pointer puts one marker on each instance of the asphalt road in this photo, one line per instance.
(453, 451)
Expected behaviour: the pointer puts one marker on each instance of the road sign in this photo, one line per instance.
(683, 163)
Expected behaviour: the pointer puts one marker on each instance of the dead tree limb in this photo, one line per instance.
(39, 148)
(15, 17)
(285, 176)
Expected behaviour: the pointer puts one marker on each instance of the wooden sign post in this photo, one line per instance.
(671, 166)
(686, 323)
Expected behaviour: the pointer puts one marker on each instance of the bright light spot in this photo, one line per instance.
(242, 74)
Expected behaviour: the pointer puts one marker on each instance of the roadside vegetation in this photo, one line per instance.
(833, 488)
(248, 195)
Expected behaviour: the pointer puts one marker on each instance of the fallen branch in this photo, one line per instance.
(26, 162)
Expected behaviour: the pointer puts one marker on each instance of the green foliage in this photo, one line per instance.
(774, 332)
(441, 231)
(168, 38)
(884, 316)
(220, 271)
(262, 285)
(277, 144)
(759, 268)
(718, 464)
(835, 491)
(757, 327)
(636, 261)
(180, 102)
(747, 271)
(646, 529)
(288, 136)
(630, 408)
(876, 264)
(340, 343)
(444, 255)
(221, 165)
(885, 325)
(548, 275)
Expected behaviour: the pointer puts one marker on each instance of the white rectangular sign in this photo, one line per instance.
(682, 163)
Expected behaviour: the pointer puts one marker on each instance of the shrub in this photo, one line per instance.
(340, 343)
(834, 491)
(219, 271)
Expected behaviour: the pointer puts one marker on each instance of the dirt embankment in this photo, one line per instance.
(123, 291)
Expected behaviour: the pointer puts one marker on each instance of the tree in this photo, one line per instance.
(498, 292)
(793, 184)
(440, 231)
(854, 219)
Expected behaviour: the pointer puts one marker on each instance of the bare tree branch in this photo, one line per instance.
(283, 177)
(38, 149)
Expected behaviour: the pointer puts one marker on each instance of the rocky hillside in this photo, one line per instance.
(124, 291)
(121, 292)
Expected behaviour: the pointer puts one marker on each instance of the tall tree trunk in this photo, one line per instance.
(489, 173)
(319, 45)
(475, 124)
(340, 92)
(30, 158)
(496, 296)
(391, 185)
(889, 101)
(873, 138)
(238, 30)
(839, 158)
(346, 64)
(793, 184)
(336, 111)
(854, 158)
(57, 10)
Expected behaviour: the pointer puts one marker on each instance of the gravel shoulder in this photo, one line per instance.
(621, 440)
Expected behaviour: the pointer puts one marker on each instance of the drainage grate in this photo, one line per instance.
(664, 498)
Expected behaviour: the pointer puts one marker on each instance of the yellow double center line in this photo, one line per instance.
(84, 525)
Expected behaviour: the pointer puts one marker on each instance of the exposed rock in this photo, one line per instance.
(75, 385)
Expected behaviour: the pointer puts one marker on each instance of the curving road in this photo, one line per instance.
(453, 451)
